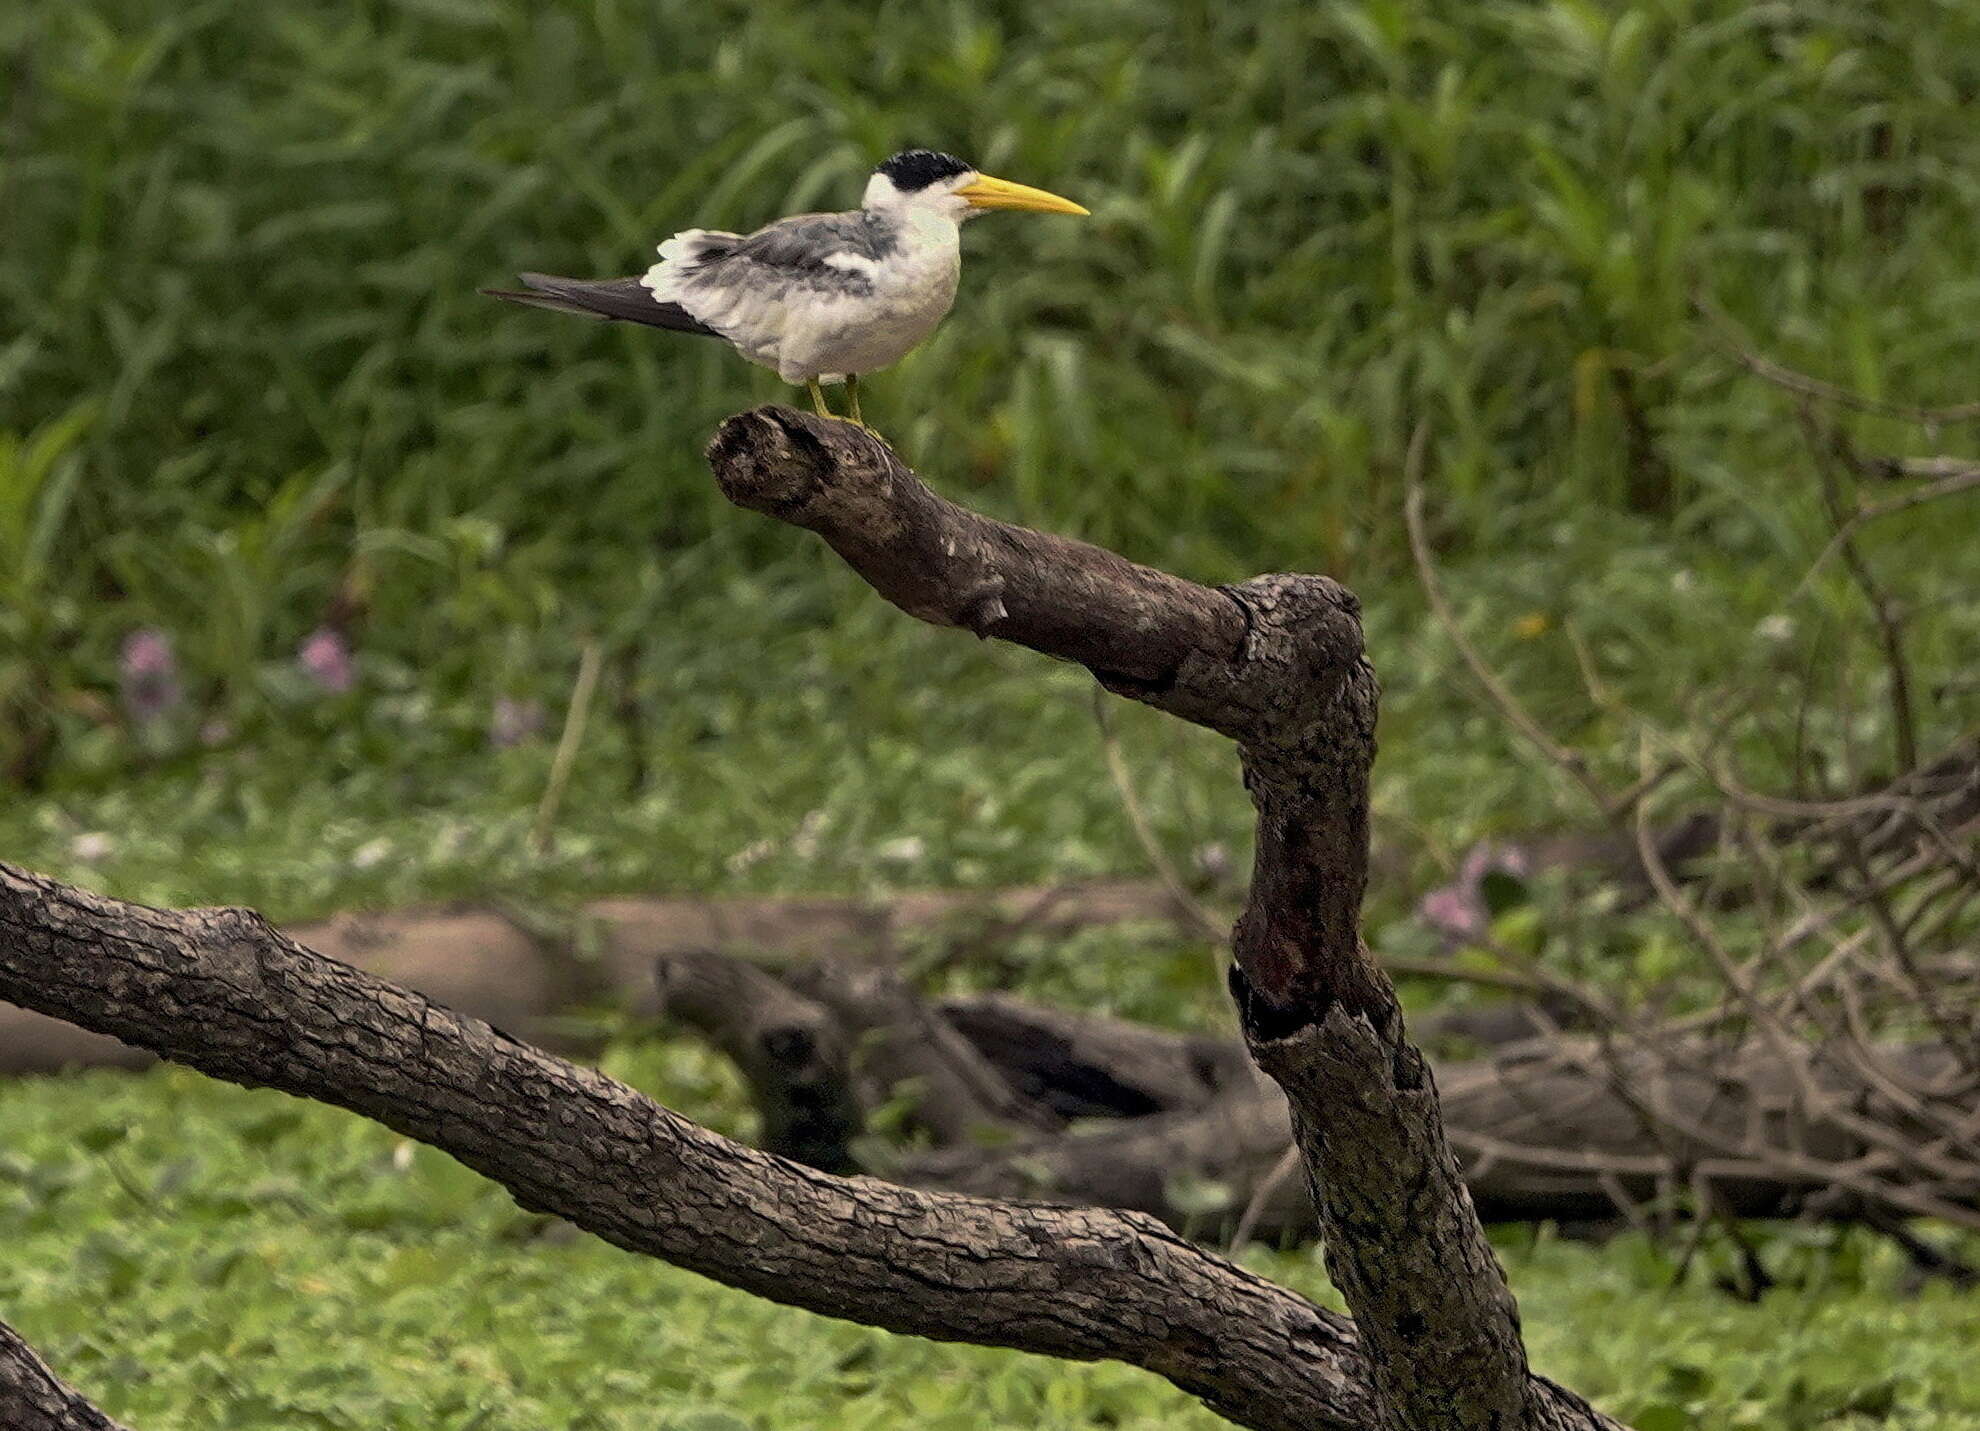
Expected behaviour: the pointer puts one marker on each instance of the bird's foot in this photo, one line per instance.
(824, 409)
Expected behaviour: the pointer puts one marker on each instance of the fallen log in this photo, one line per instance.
(1179, 1126)
(521, 970)
(1091, 1066)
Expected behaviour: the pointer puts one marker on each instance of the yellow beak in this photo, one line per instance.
(984, 192)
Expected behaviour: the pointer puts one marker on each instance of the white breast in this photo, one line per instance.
(828, 335)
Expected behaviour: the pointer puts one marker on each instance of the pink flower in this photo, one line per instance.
(148, 675)
(325, 658)
(1458, 910)
(1453, 911)
(1487, 858)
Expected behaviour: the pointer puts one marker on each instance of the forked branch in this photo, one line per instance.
(1276, 663)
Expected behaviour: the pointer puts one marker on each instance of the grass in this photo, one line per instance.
(253, 393)
(248, 397)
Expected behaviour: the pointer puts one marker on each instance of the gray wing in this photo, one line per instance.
(753, 288)
(797, 250)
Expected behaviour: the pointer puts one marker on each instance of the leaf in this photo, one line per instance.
(1687, 1380)
(101, 1137)
(1503, 892)
(707, 1421)
(1663, 1416)
(272, 1128)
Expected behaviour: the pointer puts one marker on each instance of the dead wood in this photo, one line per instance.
(792, 1051)
(221, 991)
(1275, 663)
(1547, 1127)
(1548, 1136)
(521, 970)
(1090, 1066)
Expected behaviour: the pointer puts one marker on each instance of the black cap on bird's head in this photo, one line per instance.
(913, 169)
(925, 179)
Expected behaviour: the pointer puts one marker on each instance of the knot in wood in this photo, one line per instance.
(1308, 624)
(1302, 639)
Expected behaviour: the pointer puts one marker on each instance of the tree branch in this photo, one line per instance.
(33, 1398)
(221, 991)
(1142, 629)
(1275, 663)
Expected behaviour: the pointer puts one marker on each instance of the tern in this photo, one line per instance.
(821, 298)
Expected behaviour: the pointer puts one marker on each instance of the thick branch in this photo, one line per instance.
(1141, 628)
(33, 1398)
(1371, 1108)
(1275, 663)
(221, 991)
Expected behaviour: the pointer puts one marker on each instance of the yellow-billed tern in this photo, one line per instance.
(822, 298)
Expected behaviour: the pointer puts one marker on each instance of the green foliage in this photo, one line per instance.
(246, 239)
(196, 1256)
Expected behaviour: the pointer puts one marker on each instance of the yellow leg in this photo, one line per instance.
(852, 396)
(818, 398)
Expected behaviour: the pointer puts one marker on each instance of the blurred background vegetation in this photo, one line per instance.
(301, 540)
(251, 396)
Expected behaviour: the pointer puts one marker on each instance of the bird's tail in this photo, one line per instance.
(625, 299)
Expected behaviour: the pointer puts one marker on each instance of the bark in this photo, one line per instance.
(33, 1398)
(1275, 663)
(221, 991)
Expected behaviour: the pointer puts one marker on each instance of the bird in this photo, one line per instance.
(820, 298)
